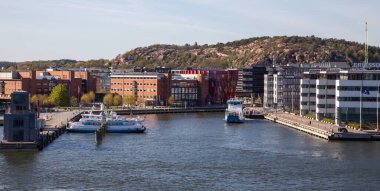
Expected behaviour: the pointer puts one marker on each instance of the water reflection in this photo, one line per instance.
(195, 152)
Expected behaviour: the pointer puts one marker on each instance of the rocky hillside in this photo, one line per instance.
(248, 52)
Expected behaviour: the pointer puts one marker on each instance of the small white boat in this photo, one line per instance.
(90, 122)
(234, 111)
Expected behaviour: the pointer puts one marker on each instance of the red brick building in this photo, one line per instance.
(222, 83)
(153, 88)
(42, 82)
(190, 89)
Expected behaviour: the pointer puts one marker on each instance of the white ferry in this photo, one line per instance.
(90, 122)
(234, 112)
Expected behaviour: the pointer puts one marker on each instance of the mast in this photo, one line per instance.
(366, 44)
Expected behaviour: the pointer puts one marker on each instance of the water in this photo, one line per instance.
(195, 152)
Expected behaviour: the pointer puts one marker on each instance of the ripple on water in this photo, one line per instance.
(195, 152)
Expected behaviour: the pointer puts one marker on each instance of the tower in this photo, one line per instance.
(20, 123)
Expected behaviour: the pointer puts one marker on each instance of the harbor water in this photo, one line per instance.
(195, 151)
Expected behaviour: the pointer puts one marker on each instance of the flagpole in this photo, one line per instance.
(377, 109)
(361, 103)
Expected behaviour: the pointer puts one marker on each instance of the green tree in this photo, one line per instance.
(171, 100)
(60, 96)
(108, 99)
(91, 95)
(129, 99)
(44, 100)
(73, 100)
(117, 100)
(85, 99)
(34, 100)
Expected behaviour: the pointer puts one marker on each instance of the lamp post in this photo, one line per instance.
(377, 109)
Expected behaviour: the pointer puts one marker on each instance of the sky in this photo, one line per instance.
(94, 29)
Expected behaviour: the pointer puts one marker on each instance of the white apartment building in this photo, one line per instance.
(268, 90)
(282, 87)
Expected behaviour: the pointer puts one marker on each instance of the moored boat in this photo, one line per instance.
(90, 122)
(234, 111)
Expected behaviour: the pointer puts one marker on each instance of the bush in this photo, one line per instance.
(310, 115)
(329, 120)
(354, 125)
(296, 111)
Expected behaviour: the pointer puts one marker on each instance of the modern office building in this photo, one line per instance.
(342, 95)
(318, 93)
(282, 85)
(251, 82)
(222, 83)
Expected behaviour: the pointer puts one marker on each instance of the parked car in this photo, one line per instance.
(342, 130)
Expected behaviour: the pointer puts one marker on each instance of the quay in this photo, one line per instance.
(320, 129)
(54, 125)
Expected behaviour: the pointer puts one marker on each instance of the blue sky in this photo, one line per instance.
(92, 29)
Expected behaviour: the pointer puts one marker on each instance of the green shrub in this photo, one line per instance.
(310, 115)
(329, 120)
(354, 125)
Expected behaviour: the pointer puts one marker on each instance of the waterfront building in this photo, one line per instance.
(341, 95)
(189, 89)
(98, 78)
(222, 83)
(318, 93)
(251, 82)
(151, 87)
(282, 84)
(42, 82)
(20, 124)
(281, 87)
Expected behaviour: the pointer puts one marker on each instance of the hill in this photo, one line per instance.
(236, 54)
(247, 52)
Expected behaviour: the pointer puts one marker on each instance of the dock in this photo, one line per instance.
(320, 129)
(55, 125)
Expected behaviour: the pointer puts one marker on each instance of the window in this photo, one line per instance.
(18, 123)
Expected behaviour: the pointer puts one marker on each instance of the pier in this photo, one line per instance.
(320, 129)
(55, 125)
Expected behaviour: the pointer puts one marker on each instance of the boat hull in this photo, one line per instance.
(92, 129)
(233, 119)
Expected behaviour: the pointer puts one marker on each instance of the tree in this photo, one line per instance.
(34, 99)
(129, 99)
(91, 95)
(171, 100)
(108, 99)
(60, 96)
(117, 100)
(85, 99)
(73, 100)
(44, 100)
(140, 100)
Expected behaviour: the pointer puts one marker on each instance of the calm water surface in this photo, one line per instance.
(196, 152)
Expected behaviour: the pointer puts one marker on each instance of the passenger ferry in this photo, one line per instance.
(90, 122)
(234, 111)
